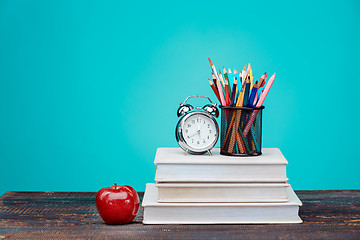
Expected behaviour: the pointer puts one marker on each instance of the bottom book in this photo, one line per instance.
(219, 213)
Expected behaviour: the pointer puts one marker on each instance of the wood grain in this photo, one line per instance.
(73, 215)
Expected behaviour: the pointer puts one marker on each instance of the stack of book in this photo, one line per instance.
(217, 189)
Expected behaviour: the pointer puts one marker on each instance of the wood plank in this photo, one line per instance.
(43, 215)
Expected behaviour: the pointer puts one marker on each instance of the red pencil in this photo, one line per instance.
(227, 98)
(215, 90)
(220, 91)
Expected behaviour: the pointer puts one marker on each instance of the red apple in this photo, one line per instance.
(117, 204)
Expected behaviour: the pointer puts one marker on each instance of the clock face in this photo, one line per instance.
(199, 132)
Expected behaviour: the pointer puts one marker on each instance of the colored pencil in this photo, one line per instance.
(236, 76)
(261, 82)
(240, 143)
(217, 81)
(213, 68)
(233, 93)
(264, 80)
(238, 133)
(251, 104)
(227, 98)
(259, 104)
(236, 117)
(240, 98)
(243, 72)
(221, 79)
(256, 141)
(246, 144)
(235, 130)
(251, 76)
(231, 78)
(226, 75)
(222, 99)
(214, 81)
(232, 129)
(226, 90)
(237, 89)
(221, 84)
(258, 95)
(213, 87)
(246, 92)
(245, 76)
(252, 94)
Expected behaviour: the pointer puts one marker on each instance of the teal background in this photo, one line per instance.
(90, 89)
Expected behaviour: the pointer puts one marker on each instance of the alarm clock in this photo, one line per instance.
(197, 130)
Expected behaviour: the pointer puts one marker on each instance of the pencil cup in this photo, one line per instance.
(241, 130)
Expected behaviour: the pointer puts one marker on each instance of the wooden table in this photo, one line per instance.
(44, 215)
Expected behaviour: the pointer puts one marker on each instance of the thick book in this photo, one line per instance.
(222, 192)
(173, 165)
(219, 213)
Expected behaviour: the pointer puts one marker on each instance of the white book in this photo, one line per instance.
(219, 213)
(222, 192)
(173, 165)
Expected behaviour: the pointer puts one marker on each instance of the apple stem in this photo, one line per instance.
(115, 185)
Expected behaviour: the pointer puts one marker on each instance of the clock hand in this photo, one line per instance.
(199, 130)
(193, 134)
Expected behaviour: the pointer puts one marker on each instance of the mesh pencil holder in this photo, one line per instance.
(241, 129)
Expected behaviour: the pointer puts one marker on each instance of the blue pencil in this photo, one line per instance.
(253, 94)
(246, 92)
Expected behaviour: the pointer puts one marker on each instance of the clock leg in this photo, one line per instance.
(187, 151)
(209, 152)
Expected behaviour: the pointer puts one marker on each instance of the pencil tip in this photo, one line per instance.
(210, 62)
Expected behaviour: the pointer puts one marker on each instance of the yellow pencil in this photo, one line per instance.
(251, 77)
(240, 101)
